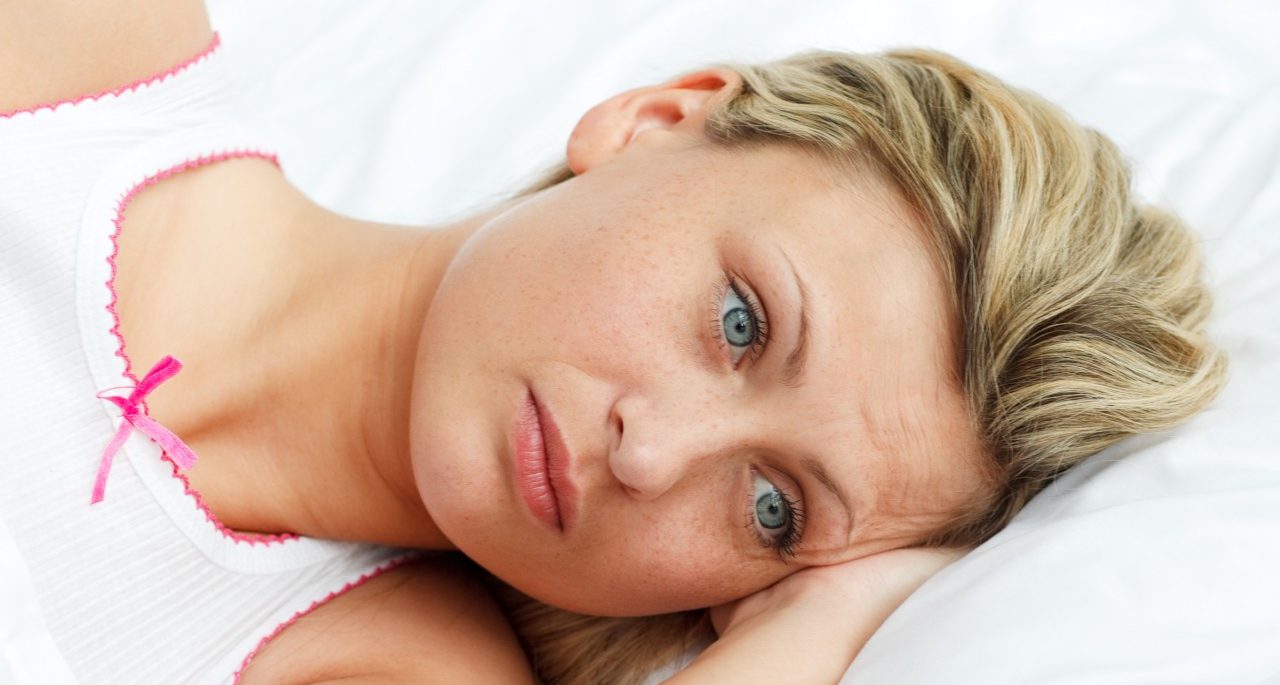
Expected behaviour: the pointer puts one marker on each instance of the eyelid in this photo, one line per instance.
(780, 480)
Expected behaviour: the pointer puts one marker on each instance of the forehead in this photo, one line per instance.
(861, 250)
(881, 382)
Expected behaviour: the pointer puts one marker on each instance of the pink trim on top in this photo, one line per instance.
(154, 78)
(394, 563)
(250, 538)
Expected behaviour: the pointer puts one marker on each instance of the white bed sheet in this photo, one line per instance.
(1154, 562)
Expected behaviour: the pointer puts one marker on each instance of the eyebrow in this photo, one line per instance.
(815, 468)
(793, 367)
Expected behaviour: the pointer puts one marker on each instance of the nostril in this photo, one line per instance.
(615, 424)
(626, 458)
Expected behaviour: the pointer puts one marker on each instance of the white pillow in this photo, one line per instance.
(1153, 562)
(1157, 560)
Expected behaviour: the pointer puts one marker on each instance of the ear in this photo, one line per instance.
(680, 106)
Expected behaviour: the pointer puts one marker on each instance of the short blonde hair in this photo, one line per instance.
(1081, 312)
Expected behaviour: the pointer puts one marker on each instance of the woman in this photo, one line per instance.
(788, 336)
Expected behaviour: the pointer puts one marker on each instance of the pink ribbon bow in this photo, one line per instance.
(134, 418)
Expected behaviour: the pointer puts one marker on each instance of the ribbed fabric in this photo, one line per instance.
(146, 586)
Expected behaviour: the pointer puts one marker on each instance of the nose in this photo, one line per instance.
(659, 442)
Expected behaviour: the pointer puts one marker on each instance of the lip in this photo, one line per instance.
(542, 465)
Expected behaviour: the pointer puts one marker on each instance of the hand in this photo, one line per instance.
(865, 590)
(813, 623)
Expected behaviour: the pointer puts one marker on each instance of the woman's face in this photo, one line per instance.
(634, 301)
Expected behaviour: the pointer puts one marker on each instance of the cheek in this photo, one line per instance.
(641, 565)
(608, 301)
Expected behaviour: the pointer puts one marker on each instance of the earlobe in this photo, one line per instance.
(680, 105)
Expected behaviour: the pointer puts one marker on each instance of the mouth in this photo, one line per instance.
(542, 467)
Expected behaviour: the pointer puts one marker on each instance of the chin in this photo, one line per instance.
(591, 598)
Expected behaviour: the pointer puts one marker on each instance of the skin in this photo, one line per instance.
(663, 429)
(382, 366)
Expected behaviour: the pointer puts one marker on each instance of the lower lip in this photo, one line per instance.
(532, 476)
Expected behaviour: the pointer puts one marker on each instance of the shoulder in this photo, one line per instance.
(53, 50)
(428, 621)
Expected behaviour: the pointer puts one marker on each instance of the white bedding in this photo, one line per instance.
(1154, 562)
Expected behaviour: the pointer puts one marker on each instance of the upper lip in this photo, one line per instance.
(559, 465)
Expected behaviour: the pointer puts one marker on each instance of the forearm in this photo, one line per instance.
(808, 628)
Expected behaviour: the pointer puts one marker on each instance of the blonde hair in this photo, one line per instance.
(1081, 311)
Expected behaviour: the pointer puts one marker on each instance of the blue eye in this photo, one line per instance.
(771, 510)
(741, 322)
(775, 517)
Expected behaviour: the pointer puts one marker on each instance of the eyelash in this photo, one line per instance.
(731, 283)
(785, 545)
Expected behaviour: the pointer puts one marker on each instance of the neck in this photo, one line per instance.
(322, 398)
(338, 376)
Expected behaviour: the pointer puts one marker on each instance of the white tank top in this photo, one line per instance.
(146, 586)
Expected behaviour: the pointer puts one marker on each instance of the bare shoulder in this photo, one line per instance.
(52, 50)
(429, 621)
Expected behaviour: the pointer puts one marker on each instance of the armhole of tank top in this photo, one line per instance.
(135, 86)
(268, 632)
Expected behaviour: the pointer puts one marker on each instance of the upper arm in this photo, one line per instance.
(53, 50)
(429, 621)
